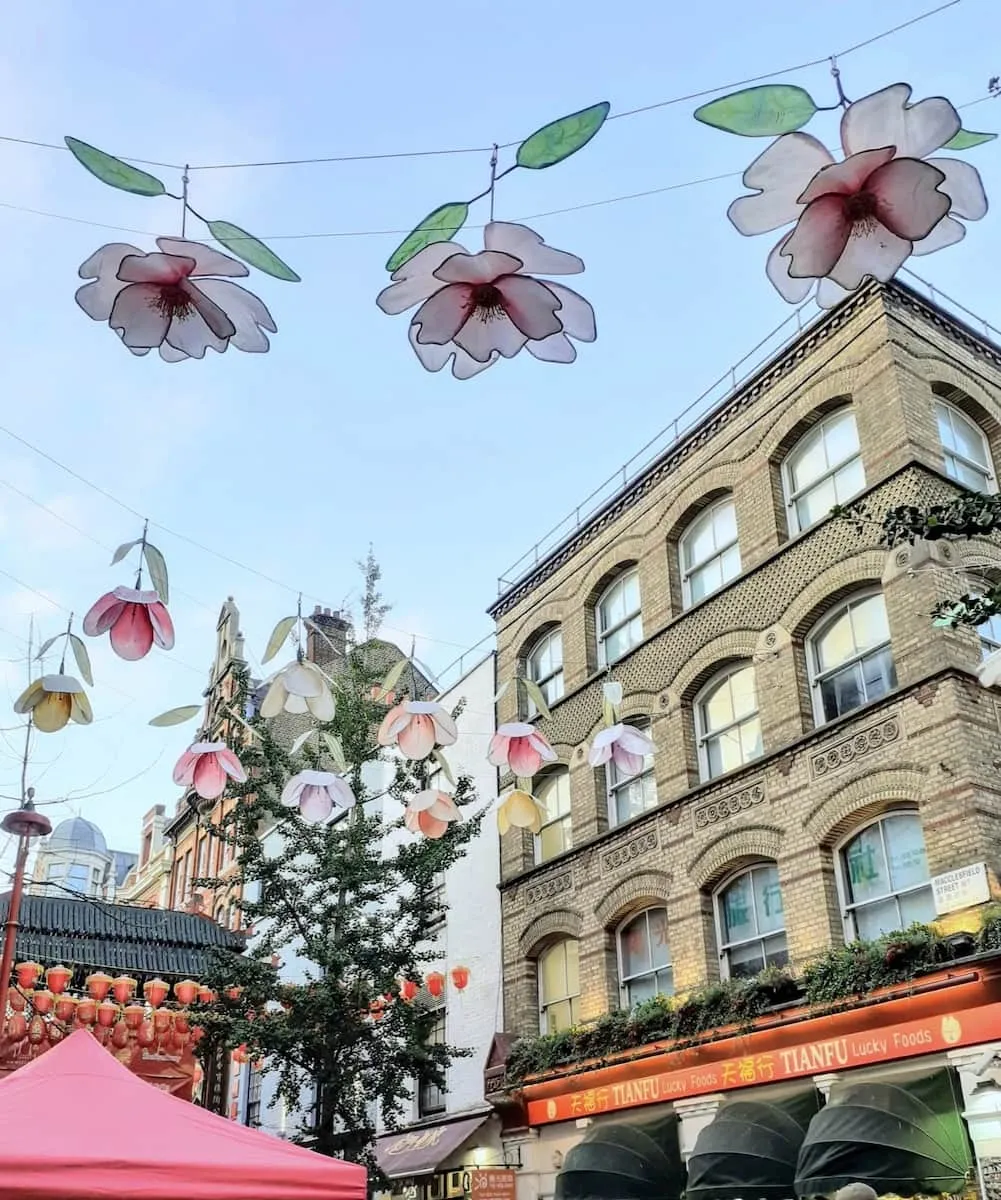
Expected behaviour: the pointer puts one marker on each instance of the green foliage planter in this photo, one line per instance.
(839, 977)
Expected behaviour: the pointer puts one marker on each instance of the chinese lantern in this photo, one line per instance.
(86, 1012)
(120, 1035)
(206, 995)
(27, 974)
(42, 1002)
(161, 1021)
(240, 1054)
(234, 993)
(376, 1010)
(57, 979)
(146, 1035)
(197, 1033)
(435, 983)
(122, 989)
(182, 1022)
(186, 991)
(18, 1000)
(106, 1013)
(65, 1008)
(408, 990)
(36, 1031)
(54, 1033)
(133, 1015)
(98, 985)
(155, 991)
(17, 1027)
(460, 978)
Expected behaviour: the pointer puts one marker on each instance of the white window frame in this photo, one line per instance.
(954, 413)
(724, 947)
(617, 783)
(707, 515)
(816, 676)
(603, 634)
(624, 980)
(555, 676)
(565, 819)
(573, 1001)
(848, 907)
(817, 431)
(703, 735)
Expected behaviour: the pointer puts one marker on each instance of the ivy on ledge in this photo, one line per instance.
(836, 979)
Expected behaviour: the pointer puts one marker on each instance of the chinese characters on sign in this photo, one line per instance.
(492, 1185)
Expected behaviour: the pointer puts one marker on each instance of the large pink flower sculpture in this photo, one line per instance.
(316, 794)
(477, 308)
(205, 767)
(431, 812)
(137, 621)
(417, 726)
(863, 216)
(171, 301)
(521, 747)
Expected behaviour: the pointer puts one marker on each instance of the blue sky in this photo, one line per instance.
(291, 463)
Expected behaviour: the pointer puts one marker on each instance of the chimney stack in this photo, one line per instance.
(328, 648)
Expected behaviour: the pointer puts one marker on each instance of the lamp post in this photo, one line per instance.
(983, 1119)
(24, 823)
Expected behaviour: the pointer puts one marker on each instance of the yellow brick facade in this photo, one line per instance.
(932, 744)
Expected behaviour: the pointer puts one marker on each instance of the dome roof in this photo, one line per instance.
(77, 834)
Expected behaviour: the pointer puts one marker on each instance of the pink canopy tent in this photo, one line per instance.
(77, 1125)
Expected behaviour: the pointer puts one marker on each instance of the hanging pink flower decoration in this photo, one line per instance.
(417, 726)
(316, 794)
(478, 308)
(205, 766)
(431, 812)
(137, 621)
(863, 216)
(171, 302)
(521, 747)
(624, 745)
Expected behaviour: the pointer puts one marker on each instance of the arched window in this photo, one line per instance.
(545, 667)
(990, 635)
(884, 880)
(964, 447)
(556, 835)
(710, 555)
(645, 958)
(630, 795)
(559, 986)
(849, 657)
(751, 922)
(619, 618)
(727, 724)
(824, 468)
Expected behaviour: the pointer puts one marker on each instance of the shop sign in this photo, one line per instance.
(960, 889)
(862, 1049)
(492, 1185)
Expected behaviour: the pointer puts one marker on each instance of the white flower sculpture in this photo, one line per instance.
(863, 216)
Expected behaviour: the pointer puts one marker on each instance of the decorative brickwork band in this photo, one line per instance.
(612, 860)
(866, 741)
(730, 805)
(546, 889)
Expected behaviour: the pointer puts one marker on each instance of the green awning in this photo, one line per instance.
(905, 1139)
(749, 1150)
(625, 1160)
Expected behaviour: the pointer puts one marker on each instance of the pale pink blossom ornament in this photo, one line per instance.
(863, 216)
(431, 812)
(299, 688)
(417, 726)
(316, 794)
(624, 745)
(137, 621)
(171, 301)
(477, 308)
(205, 767)
(521, 747)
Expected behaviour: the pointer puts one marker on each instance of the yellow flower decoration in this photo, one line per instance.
(53, 701)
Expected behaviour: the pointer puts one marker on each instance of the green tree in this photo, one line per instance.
(373, 607)
(357, 912)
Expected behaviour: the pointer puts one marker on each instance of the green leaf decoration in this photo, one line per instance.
(46, 646)
(113, 171)
(336, 751)
(123, 550)
(278, 637)
(537, 698)
(966, 139)
(301, 740)
(439, 226)
(443, 766)
(501, 691)
(157, 567)
(82, 659)
(252, 250)
(765, 111)
(395, 673)
(559, 139)
(176, 716)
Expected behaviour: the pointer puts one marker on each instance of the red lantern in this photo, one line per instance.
(376, 1010)
(17, 1027)
(98, 985)
(65, 1008)
(42, 1002)
(206, 995)
(435, 983)
(27, 974)
(120, 1035)
(18, 1000)
(161, 1021)
(197, 1033)
(408, 990)
(186, 991)
(240, 1054)
(133, 1015)
(55, 1033)
(155, 991)
(146, 1035)
(36, 1031)
(460, 978)
(106, 1013)
(57, 979)
(234, 993)
(182, 1023)
(86, 1012)
(122, 989)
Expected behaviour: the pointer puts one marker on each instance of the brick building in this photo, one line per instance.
(823, 753)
